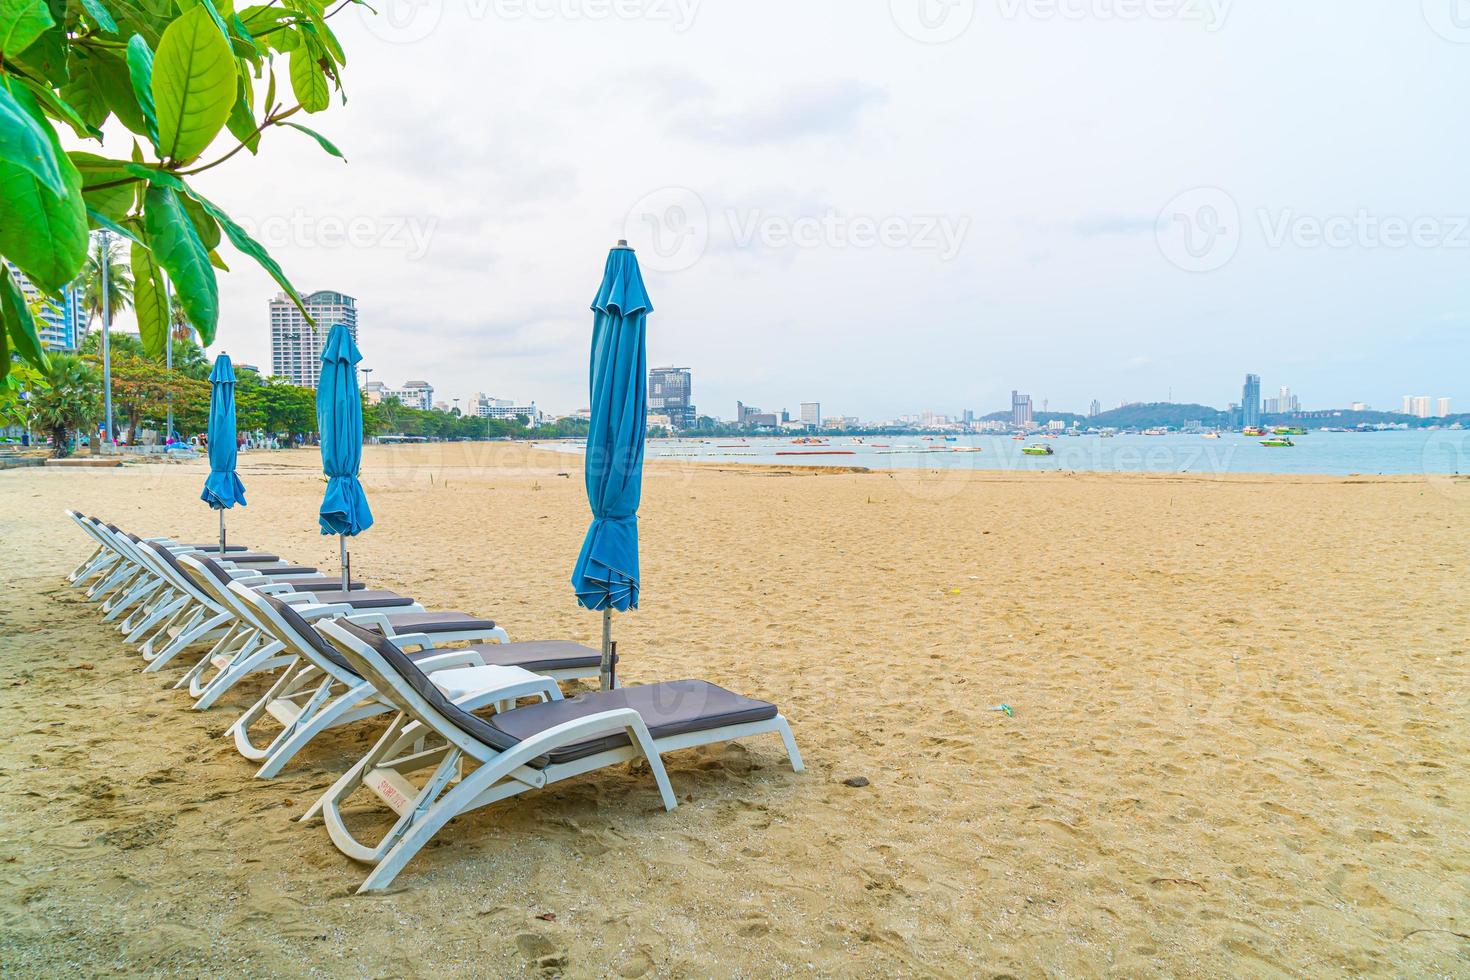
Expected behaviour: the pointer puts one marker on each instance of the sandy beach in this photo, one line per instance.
(1240, 719)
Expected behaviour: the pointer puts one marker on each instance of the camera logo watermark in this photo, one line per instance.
(672, 228)
(411, 21)
(932, 21)
(402, 21)
(1450, 19)
(1200, 230)
(1203, 229)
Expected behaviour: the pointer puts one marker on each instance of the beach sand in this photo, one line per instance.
(1241, 719)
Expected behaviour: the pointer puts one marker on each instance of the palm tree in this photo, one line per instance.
(119, 281)
(178, 320)
(70, 399)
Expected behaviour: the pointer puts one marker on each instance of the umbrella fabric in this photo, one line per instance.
(606, 574)
(222, 488)
(339, 423)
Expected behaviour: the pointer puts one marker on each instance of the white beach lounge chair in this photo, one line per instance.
(244, 650)
(322, 691)
(475, 761)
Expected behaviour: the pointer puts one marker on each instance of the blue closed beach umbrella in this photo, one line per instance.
(606, 575)
(222, 488)
(344, 510)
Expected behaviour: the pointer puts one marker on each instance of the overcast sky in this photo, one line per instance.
(890, 206)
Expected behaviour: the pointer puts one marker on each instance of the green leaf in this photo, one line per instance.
(26, 144)
(19, 323)
(150, 301)
(308, 82)
(57, 108)
(242, 119)
(112, 202)
(193, 85)
(100, 16)
(176, 246)
(43, 233)
(140, 72)
(21, 22)
(103, 221)
(242, 36)
(83, 93)
(206, 226)
(326, 144)
(108, 71)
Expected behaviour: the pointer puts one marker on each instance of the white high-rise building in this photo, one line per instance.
(1417, 406)
(811, 414)
(296, 348)
(1443, 409)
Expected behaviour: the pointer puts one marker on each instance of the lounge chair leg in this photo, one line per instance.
(329, 717)
(233, 674)
(642, 740)
(350, 780)
(138, 590)
(235, 637)
(417, 827)
(160, 611)
(789, 740)
(240, 728)
(185, 640)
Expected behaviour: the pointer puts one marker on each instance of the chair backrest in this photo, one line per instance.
(399, 680)
(167, 565)
(92, 528)
(212, 578)
(278, 619)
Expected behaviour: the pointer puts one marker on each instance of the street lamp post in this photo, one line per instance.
(168, 355)
(105, 257)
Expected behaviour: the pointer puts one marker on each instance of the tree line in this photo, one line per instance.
(65, 400)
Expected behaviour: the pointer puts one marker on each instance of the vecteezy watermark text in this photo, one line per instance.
(411, 234)
(1202, 230)
(941, 21)
(410, 21)
(673, 228)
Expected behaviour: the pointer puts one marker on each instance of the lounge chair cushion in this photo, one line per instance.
(317, 642)
(362, 599)
(538, 655)
(401, 662)
(231, 549)
(251, 557)
(437, 622)
(281, 569)
(670, 708)
(311, 583)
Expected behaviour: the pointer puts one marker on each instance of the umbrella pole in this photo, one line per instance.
(605, 673)
(346, 582)
(222, 532)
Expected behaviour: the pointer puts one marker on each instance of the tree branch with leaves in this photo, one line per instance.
(176, 75)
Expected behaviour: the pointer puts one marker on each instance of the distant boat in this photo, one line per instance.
(1253, 430)
(1280, 442)
(1288, 430)
(1212, 435)
(1039, 451)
